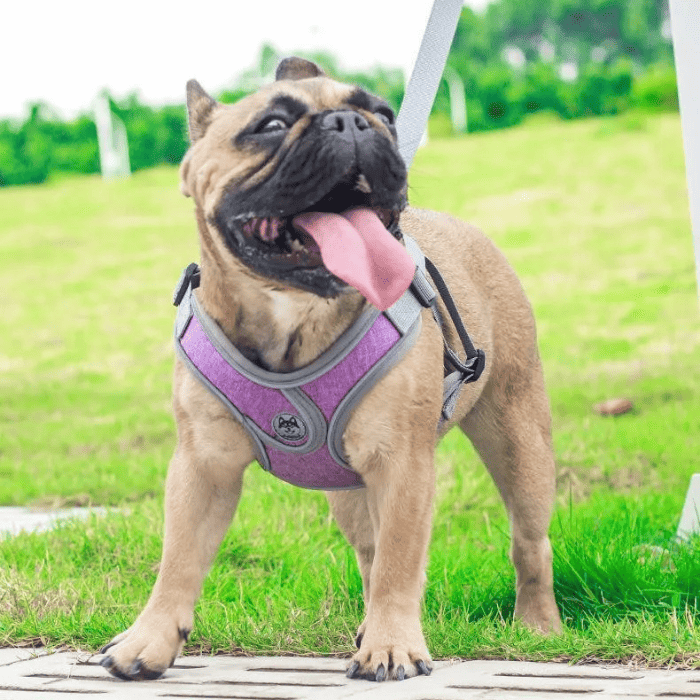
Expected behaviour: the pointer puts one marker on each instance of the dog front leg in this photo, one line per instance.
(200, 500)
(351, 512)
(400, 489)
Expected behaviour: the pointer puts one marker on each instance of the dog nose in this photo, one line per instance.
(346, 122)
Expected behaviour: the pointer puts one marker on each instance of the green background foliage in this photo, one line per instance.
(618, 47)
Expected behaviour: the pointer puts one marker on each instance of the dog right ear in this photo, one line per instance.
(295, 68)
(199, 108)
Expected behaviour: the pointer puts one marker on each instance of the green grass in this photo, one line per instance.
(594, 217)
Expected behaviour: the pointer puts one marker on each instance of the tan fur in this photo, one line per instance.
(391, 437)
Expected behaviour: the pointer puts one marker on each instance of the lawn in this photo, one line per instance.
(594, 217)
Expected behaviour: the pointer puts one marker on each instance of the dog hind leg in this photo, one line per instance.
(510, 429)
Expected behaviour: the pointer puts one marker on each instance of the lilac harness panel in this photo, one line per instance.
(297, 419)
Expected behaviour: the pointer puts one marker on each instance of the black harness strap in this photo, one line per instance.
(464, 372)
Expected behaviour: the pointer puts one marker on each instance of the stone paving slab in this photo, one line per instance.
(27, 674)
(13, 655)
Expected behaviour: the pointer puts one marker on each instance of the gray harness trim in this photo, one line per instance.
(340, 418)
(287, 380)
(242, 419)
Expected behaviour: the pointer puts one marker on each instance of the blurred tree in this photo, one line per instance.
(573, 57)
(576, 28)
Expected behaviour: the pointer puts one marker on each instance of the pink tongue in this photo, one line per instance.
(356, 247)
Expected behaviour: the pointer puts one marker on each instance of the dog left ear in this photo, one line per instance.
(295, 68)
(199, 107)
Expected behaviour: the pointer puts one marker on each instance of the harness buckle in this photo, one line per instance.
(475, 367)
(190, 277)
(465, 373)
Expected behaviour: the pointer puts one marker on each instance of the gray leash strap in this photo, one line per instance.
(410, 125)
(425, 78)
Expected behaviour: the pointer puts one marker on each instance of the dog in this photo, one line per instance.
(302, 144)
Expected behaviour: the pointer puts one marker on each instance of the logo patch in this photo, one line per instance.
(289, 427)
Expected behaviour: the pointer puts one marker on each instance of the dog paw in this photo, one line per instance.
(381, 662)
(144, 651)
(546, 623)
(539, 613)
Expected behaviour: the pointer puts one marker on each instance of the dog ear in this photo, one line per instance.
(295, 68)
(199, 108)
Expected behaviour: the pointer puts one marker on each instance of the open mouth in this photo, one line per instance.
(290, 244)
(286, 245)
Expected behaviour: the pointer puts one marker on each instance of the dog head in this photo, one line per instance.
(304, 143)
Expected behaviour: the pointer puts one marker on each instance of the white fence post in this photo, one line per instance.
(112, 140)
(689, 517)
(458, 101)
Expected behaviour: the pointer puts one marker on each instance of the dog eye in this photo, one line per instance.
(386, 115)
(271, 124)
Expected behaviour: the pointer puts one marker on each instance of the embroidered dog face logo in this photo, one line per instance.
(289, 427)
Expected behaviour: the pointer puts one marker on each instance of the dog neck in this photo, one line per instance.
(276, 328)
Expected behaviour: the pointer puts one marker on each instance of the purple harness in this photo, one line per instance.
(297, 419)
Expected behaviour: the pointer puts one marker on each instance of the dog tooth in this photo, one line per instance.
(276, 223)
(269, 229)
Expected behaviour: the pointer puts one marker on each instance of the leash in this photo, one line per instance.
(410, 125)
(425, 77)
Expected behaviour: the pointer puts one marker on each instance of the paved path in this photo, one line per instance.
(14, 520)
(26, 675)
